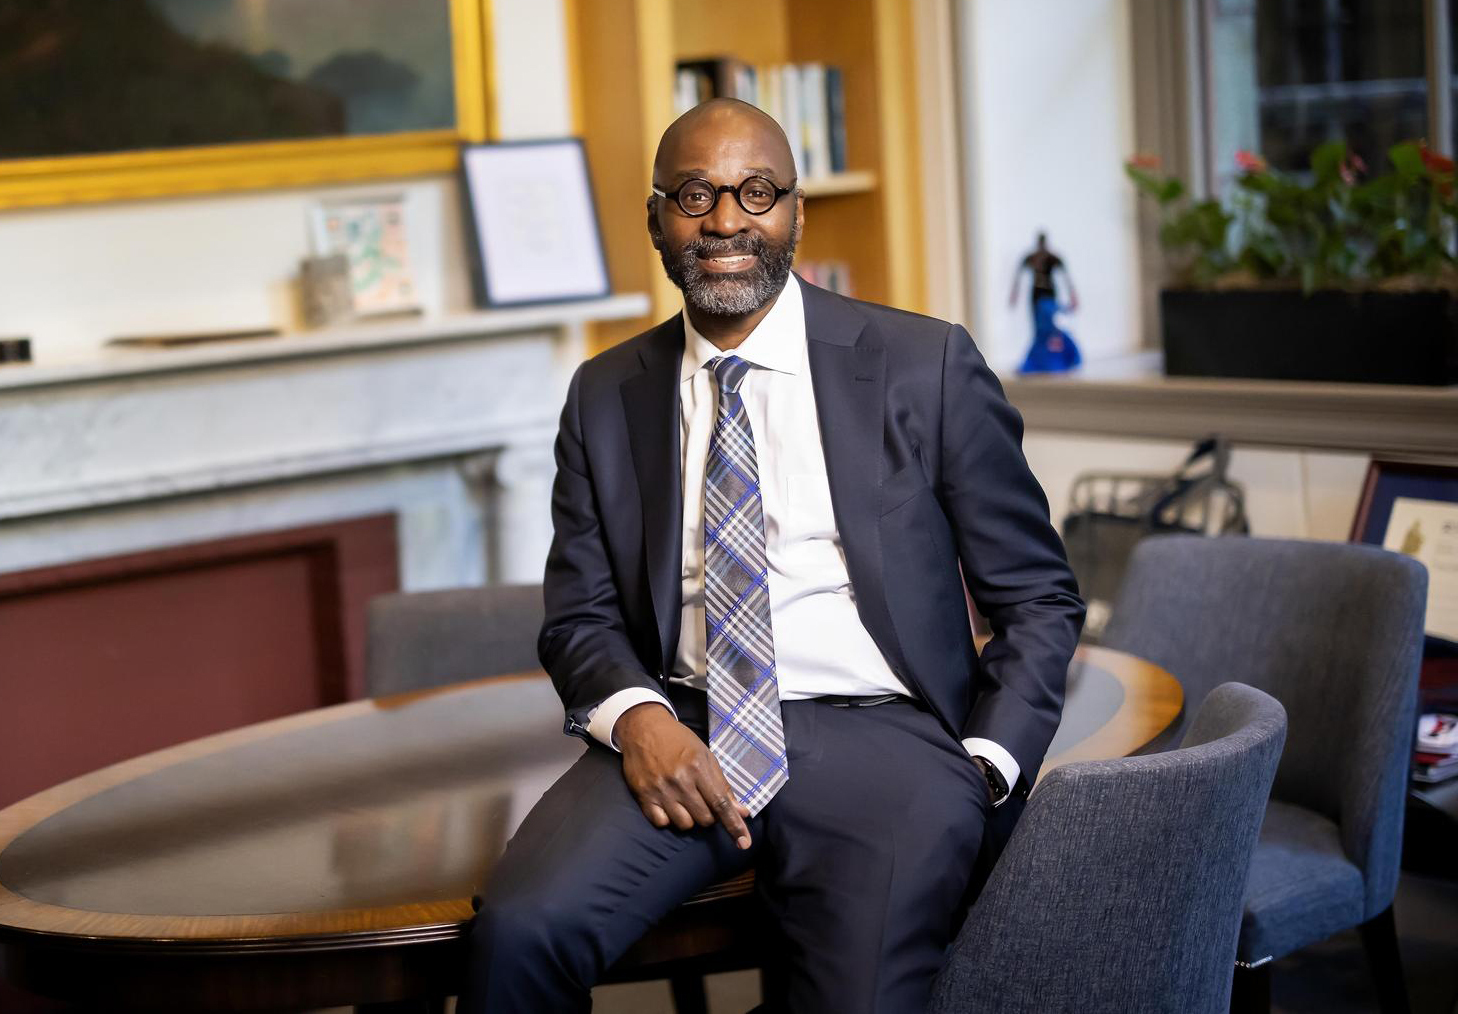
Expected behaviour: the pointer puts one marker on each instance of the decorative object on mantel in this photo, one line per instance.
(14, 350)
(162, 341)
(326, 290)
(1330, 276)
(371, 233)
(1053, 349)
(531, 223)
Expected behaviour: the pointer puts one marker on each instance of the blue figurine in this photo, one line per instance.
(1053, 349)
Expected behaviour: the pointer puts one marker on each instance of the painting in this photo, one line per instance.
(158, 96)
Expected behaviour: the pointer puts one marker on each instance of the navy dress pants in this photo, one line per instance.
(864, 860)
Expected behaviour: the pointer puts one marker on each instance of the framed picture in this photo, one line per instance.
(371, 233)
(135, 98)
(1413, 509)
(532, 224)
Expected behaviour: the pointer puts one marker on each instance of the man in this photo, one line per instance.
(765, 509)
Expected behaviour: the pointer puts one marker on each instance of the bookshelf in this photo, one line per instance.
(624, 55)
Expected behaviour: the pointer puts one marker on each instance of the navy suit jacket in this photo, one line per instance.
(929, 488)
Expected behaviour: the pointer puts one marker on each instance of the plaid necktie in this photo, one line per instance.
(746, 733)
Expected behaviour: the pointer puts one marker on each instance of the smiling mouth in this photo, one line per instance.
(728, 263)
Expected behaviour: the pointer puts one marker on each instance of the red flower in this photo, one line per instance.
(1145, 161)
(1437, 164)
(1250, 162)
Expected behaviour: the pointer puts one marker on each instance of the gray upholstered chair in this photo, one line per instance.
(1120, 890)
(420, 640)
(1334, 632)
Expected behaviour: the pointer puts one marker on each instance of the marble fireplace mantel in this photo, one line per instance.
(143, 448)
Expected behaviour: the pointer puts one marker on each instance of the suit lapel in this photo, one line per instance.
(848, 372)
(650, 402)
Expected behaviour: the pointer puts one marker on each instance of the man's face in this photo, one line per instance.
(727, 262)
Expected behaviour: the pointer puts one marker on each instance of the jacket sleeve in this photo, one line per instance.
(1013, 561)
(584, 644)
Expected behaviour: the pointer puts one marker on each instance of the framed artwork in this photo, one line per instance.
(371, 233)
(1413, 509)
(531, 223)
(134, 98)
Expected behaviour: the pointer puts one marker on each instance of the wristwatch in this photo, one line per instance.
(996, 784)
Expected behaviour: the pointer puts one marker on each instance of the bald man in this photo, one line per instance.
(765, 511)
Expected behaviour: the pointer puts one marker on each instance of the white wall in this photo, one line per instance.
(72, 277)
(1048, 121)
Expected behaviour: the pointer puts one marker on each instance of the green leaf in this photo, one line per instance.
(1326, 161)
(1407, 159)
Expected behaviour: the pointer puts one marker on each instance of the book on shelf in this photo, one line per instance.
(1436, 757)
(832, 275)
(1434, 767)
(806, 99)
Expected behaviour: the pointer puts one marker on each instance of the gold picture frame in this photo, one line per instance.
(84, 179)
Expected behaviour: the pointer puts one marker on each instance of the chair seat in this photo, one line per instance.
(1302, 887)
(722, 928)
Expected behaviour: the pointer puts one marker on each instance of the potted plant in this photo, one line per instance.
(1332, 275)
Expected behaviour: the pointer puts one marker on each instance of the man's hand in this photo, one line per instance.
(673, 775)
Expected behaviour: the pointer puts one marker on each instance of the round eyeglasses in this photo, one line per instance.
(698, 197)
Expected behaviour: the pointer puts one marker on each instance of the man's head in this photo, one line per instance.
(728, 262)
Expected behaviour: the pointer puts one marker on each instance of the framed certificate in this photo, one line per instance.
(1413, 509)
(531, 223)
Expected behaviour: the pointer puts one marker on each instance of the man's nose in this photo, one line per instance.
(727, 218)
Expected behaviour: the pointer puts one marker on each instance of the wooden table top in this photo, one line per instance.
(361, 824)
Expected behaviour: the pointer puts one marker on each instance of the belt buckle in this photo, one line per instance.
(868, 701)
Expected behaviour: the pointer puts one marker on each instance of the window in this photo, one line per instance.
(1284, 76)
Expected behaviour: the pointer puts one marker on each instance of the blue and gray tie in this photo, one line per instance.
(746, 732)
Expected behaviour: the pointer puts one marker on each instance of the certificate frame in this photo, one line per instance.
(516, 241)
(1385, 482)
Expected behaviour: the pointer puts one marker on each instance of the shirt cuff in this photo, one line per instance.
(601, 719)
(994, 755)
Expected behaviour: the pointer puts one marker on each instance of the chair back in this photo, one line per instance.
(1121, 888)
(1333, 631)
(420, 640)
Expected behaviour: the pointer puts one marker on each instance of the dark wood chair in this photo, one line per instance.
(721, 929)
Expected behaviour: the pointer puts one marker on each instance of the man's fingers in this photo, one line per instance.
(728, 813)
(680, 816)
(655, 815)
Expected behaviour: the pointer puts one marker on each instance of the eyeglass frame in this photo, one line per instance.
(727, 189)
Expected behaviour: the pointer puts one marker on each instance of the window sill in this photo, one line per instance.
(1130, 396)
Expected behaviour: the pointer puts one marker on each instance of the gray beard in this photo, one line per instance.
(731, 295)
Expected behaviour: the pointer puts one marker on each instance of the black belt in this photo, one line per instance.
(863, 701)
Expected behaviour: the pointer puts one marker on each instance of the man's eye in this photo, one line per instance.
(757, 193)
(695, 197)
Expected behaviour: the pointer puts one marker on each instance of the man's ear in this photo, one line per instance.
(655, 234)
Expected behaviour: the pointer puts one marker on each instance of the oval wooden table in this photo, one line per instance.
(328, 858)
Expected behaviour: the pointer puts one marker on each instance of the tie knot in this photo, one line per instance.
(729, 371)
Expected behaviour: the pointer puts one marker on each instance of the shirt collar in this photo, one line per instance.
(776, 343)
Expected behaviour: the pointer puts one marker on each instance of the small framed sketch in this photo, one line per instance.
(1413, 509)
(371, 233)
(531, 223)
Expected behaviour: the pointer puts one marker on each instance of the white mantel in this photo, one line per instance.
(445, 421)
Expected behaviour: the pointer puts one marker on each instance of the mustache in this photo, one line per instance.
(704, 246)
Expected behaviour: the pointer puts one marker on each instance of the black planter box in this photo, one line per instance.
(1331, 335)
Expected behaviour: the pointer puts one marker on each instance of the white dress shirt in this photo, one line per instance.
(821, 646)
